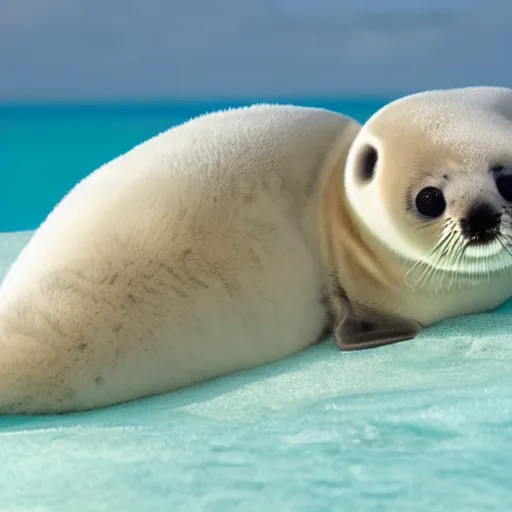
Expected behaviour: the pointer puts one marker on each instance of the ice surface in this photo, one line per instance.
(418, 426)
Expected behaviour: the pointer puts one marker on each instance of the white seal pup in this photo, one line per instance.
(242, 237)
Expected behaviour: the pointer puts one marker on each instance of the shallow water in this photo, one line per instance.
(419, 426)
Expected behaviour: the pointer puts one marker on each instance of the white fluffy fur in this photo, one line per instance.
(194, 255)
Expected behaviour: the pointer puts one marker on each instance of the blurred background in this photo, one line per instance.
(83, 80)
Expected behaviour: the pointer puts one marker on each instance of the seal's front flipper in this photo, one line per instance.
(372, 330)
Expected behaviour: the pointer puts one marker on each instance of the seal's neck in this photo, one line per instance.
(358, 265)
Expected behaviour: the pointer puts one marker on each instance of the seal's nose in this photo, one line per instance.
(481, 224)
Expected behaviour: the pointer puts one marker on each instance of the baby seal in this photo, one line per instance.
(244, 236)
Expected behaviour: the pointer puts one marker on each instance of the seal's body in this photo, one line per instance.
(193, 255)
(242, 237)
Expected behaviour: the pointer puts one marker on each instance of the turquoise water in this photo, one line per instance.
(421, 426)
(45, 150)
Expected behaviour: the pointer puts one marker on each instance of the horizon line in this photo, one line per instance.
(191, 101)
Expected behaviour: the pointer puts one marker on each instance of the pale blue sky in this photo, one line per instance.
(90, 49)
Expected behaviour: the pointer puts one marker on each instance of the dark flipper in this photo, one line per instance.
(369, 329)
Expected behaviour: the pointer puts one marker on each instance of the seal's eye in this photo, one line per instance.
(504, 184)
(368, 161)
(430, 202)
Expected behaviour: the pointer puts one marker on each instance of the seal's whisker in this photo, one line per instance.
(506, 247)
(451, 255)
(421, 267)
(426, 270)
(455, 257)
(507, 237)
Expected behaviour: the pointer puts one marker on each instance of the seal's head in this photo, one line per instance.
(430, 176)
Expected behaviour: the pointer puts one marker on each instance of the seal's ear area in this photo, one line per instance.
(366, 163)
(354, 333)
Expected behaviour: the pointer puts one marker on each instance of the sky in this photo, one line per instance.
(187, 49)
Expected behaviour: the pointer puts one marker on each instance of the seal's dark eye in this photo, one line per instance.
(430, 202)
(504, 184)
(368, 161)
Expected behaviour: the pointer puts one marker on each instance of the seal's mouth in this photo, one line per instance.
(483, 240)
(461, 259)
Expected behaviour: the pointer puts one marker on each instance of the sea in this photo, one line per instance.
(45, 149)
